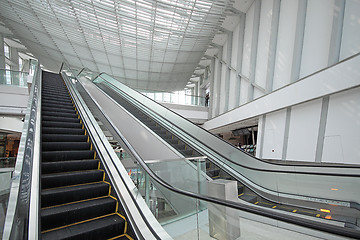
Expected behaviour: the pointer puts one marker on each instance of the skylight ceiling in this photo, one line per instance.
(147, 44)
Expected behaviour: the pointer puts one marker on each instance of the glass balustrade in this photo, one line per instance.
(13, 78)
(178, 97)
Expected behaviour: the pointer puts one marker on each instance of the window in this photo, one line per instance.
(7, 51)
(21, 61)
(8, 74)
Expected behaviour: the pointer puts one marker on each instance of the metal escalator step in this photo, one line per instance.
(76, 212)
(180, 146)
(62, 110)
(60, 119)
(187, 153)
(60, 99)
(55, 92)
(61, 124)
(70, 178)
(249, 198)
(68, 166)
(62, 195)
(240, 188)
(52, 105)
(102, 228)
(63, 131)
(57, 102)
(55, 156)
(65, 146)
(122, 237)
(60, 93)
(63, 138)
(59, 114)
(213, 172)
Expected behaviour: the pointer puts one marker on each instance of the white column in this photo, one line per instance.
(14, 58)
(317, 36)
(2, 54)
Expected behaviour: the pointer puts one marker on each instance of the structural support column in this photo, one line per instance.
(2, 53)
(322, 128)
(212, 90)
(254, 47)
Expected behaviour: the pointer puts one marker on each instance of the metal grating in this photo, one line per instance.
(148, 44)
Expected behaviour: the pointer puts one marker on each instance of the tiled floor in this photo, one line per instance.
(4, 198)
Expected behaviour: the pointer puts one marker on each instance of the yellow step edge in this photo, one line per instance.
(77, 223)
(69, 203)
(123, 235)
(88, 170)
(81, 184)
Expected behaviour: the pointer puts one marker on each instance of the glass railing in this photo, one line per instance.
(13, 78)
(179, 97)
(21, 222)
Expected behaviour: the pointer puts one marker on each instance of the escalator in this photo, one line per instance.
(77, 198)
(212, 170)
(348, 216)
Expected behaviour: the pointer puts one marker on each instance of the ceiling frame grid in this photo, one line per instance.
(155, 44)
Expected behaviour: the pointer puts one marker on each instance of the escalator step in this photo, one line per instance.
(122, 237)
(62, 110)
(55, 92)
(103, 228)
(64, 138)
(213, 172)
(51, 105)
(60, 119)
(240, 188)
(70, 178)
(65, 146)
(55, 156)
(77, 212)
(57, 196)
(61, 124)
(60, 93)
(187, 153)
(68, 166)
(57, 102)
(59, 114)
(60, 99)
(180, 146)
(63, 131)
(249, 198)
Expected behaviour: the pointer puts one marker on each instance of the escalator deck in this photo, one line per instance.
(76, 197)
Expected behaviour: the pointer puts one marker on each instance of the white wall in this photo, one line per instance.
(248, 36)
(274, 135)
(317, 36)
(285, 43)
(342, 134)
(12, 124)
(303, 131)
(350, 42)
(277, 44)
(13, 100)
(263, 50)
